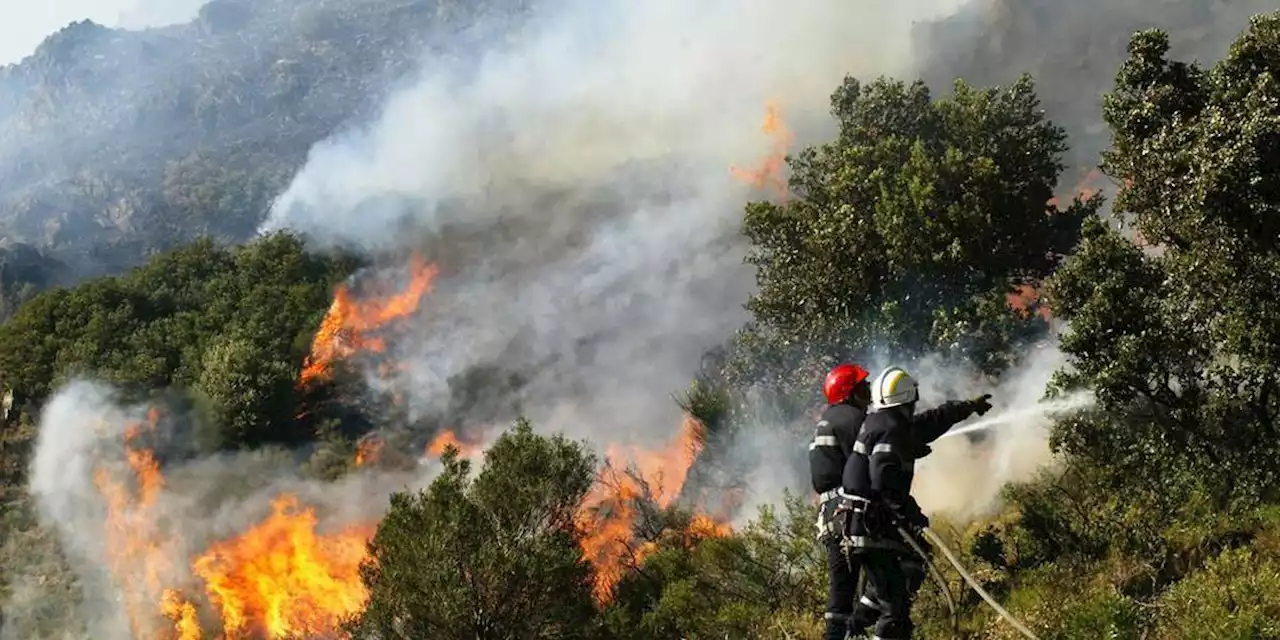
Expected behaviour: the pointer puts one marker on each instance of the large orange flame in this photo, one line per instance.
(281, 579)
(345, 327)
(769, 175)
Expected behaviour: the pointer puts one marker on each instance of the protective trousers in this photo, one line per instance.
(842, 566)
(842, 569)
(867, 609)
(892, 591)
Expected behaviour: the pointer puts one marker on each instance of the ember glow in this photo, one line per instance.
(447, 438)
(369, 449)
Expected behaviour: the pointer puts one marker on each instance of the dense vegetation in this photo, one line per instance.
(1163, 520)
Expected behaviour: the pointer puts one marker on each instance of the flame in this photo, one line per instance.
(445, 438)
(183, 614)
(281, 579)
(344, 329)
(770, 173)
(136, 545)
(1025, 295)
(610, 512)
(369, 449)
(703, 526)
(1089, 184)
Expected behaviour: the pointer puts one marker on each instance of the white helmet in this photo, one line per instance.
(894, 387)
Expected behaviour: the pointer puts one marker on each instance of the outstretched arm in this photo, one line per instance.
(930, 425)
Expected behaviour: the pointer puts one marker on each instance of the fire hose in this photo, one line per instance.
(937, 542)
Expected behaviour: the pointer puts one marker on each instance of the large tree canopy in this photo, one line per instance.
(1182, 342)
(908, 231)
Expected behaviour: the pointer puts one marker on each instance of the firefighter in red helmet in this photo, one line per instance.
(848, 393)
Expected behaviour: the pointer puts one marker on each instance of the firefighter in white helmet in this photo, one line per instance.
(879, 476)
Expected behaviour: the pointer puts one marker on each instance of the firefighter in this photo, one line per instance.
(878, 480)
(848, 392)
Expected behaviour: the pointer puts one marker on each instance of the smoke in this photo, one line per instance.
(128, 529)
(578, 185)
(26, 24)
(963, 476)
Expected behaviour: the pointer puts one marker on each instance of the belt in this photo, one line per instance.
(826, 496)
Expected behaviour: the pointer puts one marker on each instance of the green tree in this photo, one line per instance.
(231, 324)
(1182, 342)
(764, 581)
(907, 232)
(494, 557)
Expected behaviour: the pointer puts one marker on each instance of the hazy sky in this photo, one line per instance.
(25, 23)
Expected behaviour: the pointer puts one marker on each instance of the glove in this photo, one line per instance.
(912, 521)
(981, 404)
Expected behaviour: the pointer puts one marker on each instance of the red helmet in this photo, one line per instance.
(842, 380)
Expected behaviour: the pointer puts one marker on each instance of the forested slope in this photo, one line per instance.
(1159, 518)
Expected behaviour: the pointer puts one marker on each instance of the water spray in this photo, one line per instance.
(1069, 403)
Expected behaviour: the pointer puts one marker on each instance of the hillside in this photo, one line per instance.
(537, 350)
(117, 144)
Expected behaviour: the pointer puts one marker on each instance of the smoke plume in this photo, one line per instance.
(578, 186)
(130, 521)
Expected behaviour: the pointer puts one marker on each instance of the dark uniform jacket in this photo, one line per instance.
(882, 466)
(833, 442)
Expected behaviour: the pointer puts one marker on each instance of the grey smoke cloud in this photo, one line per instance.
(23, 25)
(593, 157)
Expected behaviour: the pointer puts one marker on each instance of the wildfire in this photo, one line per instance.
(770, 173)
(611, 511)
(135, 543)
(345, 327)
(1090, 183)
(444, 439)
(1023, 297)
(369, 449)
(281, 579)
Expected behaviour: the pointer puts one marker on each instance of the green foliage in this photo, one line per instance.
(233, 326)
(907, 232)
(696, 585)
(1183, 347)
(1235, 596)
(497, 557)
